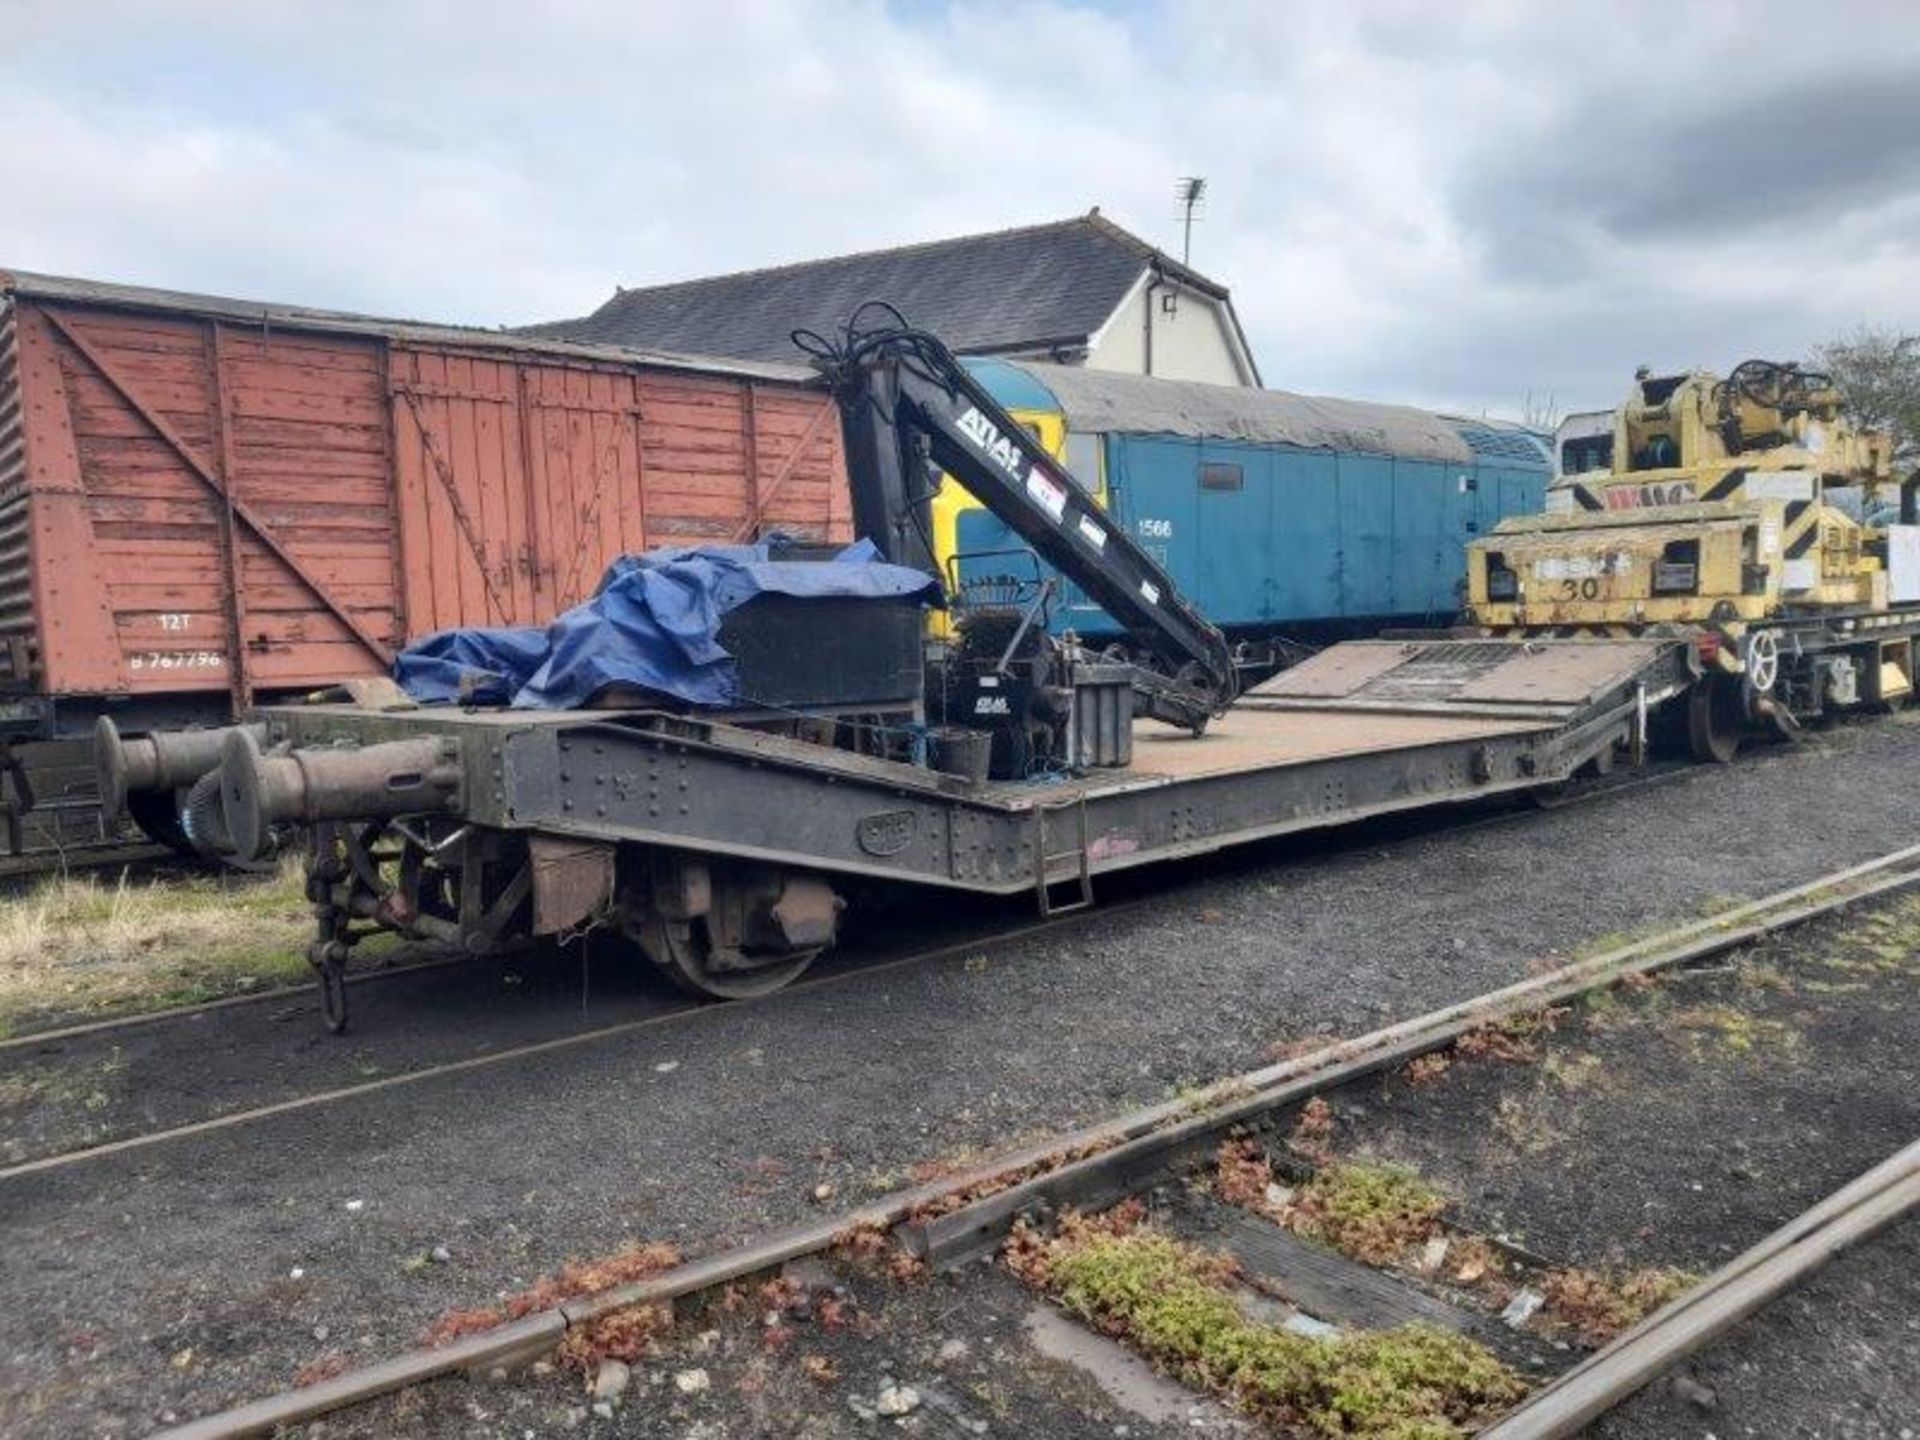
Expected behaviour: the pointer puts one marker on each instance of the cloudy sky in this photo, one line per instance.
(1450, 204)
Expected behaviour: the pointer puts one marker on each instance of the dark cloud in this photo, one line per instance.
(1785, 156)
(1650, 164)
(1458, 205)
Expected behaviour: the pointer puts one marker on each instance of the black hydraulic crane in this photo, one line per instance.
(910, 410)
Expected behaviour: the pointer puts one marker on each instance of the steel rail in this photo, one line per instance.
(680, 1008)
(28, 864)
(1124, 1147)
(224, 1002)
(1186, 1126)
(1514, 813)
(1789, 1255)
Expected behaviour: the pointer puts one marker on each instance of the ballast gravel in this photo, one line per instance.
(183, 1278)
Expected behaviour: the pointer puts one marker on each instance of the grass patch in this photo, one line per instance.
(1526, 1121)
(1172, 1302)
(1578, 1071)
(1736, 1031)
(1598, 1304)
(1371, 1211)
(80, 944)
(1884, 941)
(1374, 1211)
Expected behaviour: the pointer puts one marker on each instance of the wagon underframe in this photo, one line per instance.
(554, 820)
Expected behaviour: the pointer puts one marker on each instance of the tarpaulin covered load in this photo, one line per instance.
(654, 625)
(475, 667)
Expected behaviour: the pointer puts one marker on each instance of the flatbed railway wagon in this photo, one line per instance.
(207, 504)
(726, 852)
(726, 843)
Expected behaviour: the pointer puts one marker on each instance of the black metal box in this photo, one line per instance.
(828, 652)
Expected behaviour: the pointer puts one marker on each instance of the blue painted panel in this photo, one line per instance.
(1233, 529)
(1158, 495)
(1434, 509)
(1308, 536)
(1217, 539)
(1365, 537)
(1303, 559)
(1508, 490)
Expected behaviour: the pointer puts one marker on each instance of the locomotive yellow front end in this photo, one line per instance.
(1679, 565)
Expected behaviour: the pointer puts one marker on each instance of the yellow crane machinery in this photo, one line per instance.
(1749, 514)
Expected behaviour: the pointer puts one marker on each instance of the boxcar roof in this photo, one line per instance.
(1105, 401)
(63, 289)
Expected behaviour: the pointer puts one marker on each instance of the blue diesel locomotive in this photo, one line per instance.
(1279, 515)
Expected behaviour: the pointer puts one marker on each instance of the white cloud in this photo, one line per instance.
(1451, 205)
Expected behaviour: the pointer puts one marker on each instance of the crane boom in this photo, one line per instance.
(906, 401)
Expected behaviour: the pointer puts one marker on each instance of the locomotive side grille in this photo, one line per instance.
(16, 583)
(1492, 444)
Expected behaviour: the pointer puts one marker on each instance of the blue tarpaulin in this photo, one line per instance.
(653, 624)
(475, 667)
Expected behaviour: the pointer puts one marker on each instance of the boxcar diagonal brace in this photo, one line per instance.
(443, 472)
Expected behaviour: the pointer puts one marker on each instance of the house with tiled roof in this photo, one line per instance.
(1082, 291)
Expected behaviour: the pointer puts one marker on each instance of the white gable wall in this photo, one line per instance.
(1194, 342)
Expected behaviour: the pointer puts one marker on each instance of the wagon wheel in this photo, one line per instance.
(1551, 796)
(683, 952)
(1716, 714)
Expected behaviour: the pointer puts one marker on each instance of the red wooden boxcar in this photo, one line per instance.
(204, 502)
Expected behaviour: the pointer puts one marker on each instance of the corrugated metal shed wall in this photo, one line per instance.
(362, 489)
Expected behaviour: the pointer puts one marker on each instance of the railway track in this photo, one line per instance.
(661, 1009)
(1849, 1216)
(1411, 825)
(947, 1222)
(656, 1009)
(36, 863)
(273, 994)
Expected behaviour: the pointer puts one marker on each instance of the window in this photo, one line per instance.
(1586, 453)
(1083, 458)
(1217, 475)
(1677, 571)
